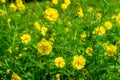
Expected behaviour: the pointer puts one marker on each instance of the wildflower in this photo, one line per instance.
(108, 25)
(90, 9)
(83, 36)
(13, 7)
(89, 51)
(20, 55)
(8, 20)
(67, 29)
(15, 77)
(59, 62)
(25, 38)
(99, 15)
(80, 12)
(110, 50)
(37, 26)
(55, 1)
(8, 71)
(64, 6)
(78, 62)
(25, 48)
(44, 30)
(99, 30)
(57, 76)
(20, 5)
(44, 47)
(3, 1)
(67, 2)
(3, 12)
(51, 14)
(114, 17)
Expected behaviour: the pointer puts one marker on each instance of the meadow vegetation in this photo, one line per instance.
(60, 40)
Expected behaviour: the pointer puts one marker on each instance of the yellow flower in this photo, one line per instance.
(108, 25)
(67, 29)
(78, 62)
(83, 36)
(80, 12)
(13, 7)
(25, 38)
(3, 1)
(99, 30)
(25, 48)
(8, 71)
(55, 1)
(89, 51)
(59, 62)
(20, 5)
(110, 50)
(67, 2)
(44, 47)
(8, 20)
(57, 76)
(3, 12)
(51, 14)
(90, 9)
(15, 77)
(44, 30)
(64, 6)
(37, 26)
(99, 15)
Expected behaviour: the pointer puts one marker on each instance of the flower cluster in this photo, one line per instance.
(78, 62)
(19, 5)
(44, 47)
(51, 14)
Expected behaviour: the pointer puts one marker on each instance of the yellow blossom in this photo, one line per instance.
(51, 14)
(110, 50)
(80, 12)
(99, 30)
(89, 51)
(64, 6)
(8, 20)
(20, 5)
(67, 2)
(108, 25)
(25, 38)
(83, 36)
(25, 48)
(13, 7)
(15, 77)
(57, 76)
(114, 17)
(44, 30)
(3, 1)
(8, 71)
(37, 26)
(20, 55)
(90, 9)
(67, 29)
(78, 62)
(55, 1)
(44, 47)
(3, 12)
(99, 15)
(59, 62)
